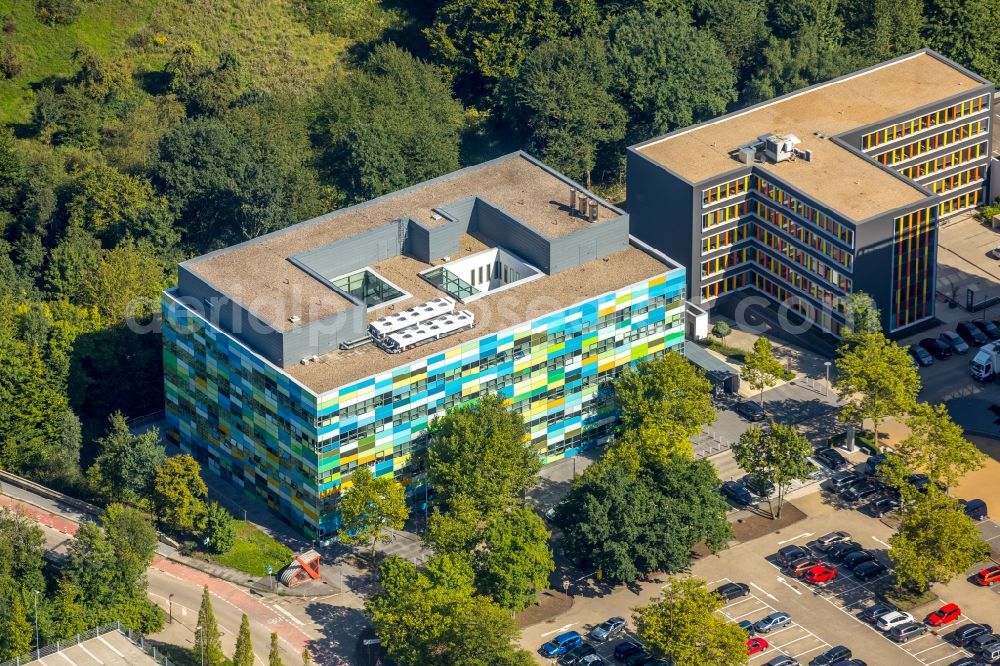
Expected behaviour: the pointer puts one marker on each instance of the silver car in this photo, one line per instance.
(773, 621)
(608, 629)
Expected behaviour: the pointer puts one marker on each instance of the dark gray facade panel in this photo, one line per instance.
(230, 316)
(507, 232)
(661, 208)
(419, 242)
(355, 252)
(320, 337)
(594, 242)
(461, 210)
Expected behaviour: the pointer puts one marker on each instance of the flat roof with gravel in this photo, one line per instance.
(853, 185)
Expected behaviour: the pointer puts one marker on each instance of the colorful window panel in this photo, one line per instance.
(913, 269)
(724, 239)
(800, 282)
(802, 258)
(822, 317)
(960, 203)
(934, 142)
(945, 162)
(723, 286)
(726, 261)
(796, 229)
(725, 190)
(960, 179)
(817, 218)
(926, 121)
(725, 214)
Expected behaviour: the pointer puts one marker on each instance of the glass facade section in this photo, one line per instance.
(960, 179)
(948, 161)
(724, 286)
(960, 203)
(725, 214)
(450, 283)
(926, 121)
(804, 211)
(725, 239)
(368, 287)
(725, 191)
(913, 268)
(934, 142)
(726, 261)
(804, 235)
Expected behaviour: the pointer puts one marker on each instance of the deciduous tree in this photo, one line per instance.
(126, 465)
(760, 368)
(512, 561)
(134, 540)
(863, 316)
(371, 508)
(220, 528)
(721, 330)
(875, 379)
(937, 445)
(682, 624)
(665, 389)
(68, 616)
(16, 635)
(778, 455)
(479, 451)
(178, 494)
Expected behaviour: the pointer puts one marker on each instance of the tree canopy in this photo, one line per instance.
(371, 508)
(778, 455)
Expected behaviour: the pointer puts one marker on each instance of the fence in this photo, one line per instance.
(82, 637)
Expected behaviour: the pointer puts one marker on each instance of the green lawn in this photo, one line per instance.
(253, 551)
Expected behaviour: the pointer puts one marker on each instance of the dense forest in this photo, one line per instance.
(140, 132)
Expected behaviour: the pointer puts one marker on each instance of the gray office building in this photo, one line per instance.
(832, 189)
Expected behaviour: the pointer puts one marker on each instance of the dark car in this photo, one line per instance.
(955, 341)
(966, 661)
(832, 459)
(850, 662)
(988, 328)
(862, 491)
(573, 657)
(873, 613)
(871, 465)
(971, 333)
(747, 626)
(905, 632)
(736, 493)
(921, 355)
(983, 642)
(966, 633)
(731, 591)
(832, 656)
(936, 348)
(640, 658)
(625, 648)
(841, 481)
(757, 485)
(974, 508)
(852, 560)
(841, 550)
(884, 505)
(751, 411)
(868, 570)
(788, 554)
(921, 482)
(783, 660)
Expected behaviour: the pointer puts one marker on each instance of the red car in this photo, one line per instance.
(756, 644)
(820, 574)
(989, 576)
(944, 615)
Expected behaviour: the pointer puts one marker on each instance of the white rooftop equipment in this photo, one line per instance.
(427, 331)
(436, 307)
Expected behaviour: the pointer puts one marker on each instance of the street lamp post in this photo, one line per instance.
(37, 644)
(827, 364)
(170, 608)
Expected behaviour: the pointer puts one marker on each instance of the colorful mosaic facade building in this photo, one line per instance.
(285, 393)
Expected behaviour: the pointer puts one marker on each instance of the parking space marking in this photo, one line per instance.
(765, 592)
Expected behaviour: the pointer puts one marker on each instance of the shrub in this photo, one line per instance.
(9, 65)
(51, 12)
(9, 24)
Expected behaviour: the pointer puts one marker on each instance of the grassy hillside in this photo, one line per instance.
(277, 48)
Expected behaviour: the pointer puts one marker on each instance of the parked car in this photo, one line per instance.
(873, 613)
(802, 565)
(613, 626)
(728, 592)
(841, 550)
(756, 644)
(851, 662)
(921, 355)
(988, 328)
(757, 485)
(561, 644)
(971, 333)
(967, 632)
(832, 656)
(841, 481)
(883, 505)
(625, 648)
(824, 542)
(852, 560)
(832, 459)
(868, 570)
(782, 660)
(893, 619)
(944, 615)
(769, 623)
(955, 341)
(640, 658)
(573, 657)
(989, 576)
(936, 348)
(592, 660)
(904, 632)
(747, 626)
(966, 661)
(736, 493)
(862, 490)
(919, 481)
(871, 465)
(984, 642)
(974, 508)
(820, 574)
(751, 411)
(788, 554)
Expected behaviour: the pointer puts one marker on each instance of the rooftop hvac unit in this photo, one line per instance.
(427, 331)
(778, 148)
(594, 208)
(410, 316)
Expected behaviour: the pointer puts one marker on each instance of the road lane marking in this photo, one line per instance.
(801, 536)
(560, 629)
(765, 592)
(875, 538)
(63, 655)
(89, 653)
(288, 615)
(783, 582)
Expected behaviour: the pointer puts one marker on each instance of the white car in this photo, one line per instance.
(894, 619)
